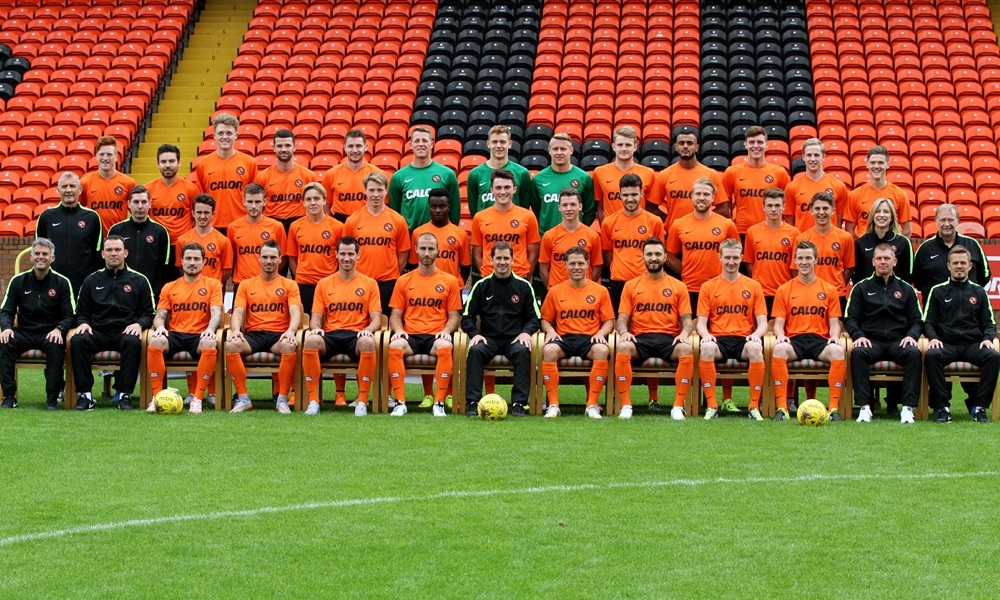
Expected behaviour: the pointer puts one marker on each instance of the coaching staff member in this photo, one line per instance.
(74, 230)
(883, 318)
(500, 317)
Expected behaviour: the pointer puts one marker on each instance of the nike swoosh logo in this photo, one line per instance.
(794, 297)
(618, 229)
(933, 256)
(871, 293)
(563, 300)
(546, 184)
(870, 249)
(100, 287)
(408, 180)
(56, 224)
(126, 238)
(411, 289)
(718, 295)
(947, 299)
(28, 292)
(489, 297)
(253, 293)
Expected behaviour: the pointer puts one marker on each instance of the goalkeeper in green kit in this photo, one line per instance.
(409, 187)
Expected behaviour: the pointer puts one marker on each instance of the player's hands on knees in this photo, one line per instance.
(833, 342)
(711, 338)
(863, 342)
(987, 344)
(235, 337)
(84, 328)
(599, 339)
(289, 338)
(207, 335)
(162, 332)
(316, 331)
(626, 337)
(399, 335)
(366, 333)
(443, 335)
(750, 338)
(683, 338)
(551, 337)
(782, 339)
(133, 329)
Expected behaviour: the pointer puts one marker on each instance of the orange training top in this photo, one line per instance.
(732, 308)
(346, 305)
(218, 251)
(836, 253)
(267, 302)
(800, 191)
(314, 245)
(170, 206)
(107, 197)
(577, 310)
(247, 238)
(382, 237)
(224, 180)
(518, 227)
(655, 306)
(345, 189)
(745, 186)
(453, 247)
(672, 190)
(624, 236)
(608, 192)
(426, 300)
(697, 243)
(806, 308)
(861, 199)
(558, 240)
(283, 191)
(771, 252)
(189, 303)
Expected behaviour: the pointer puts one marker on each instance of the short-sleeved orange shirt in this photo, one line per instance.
(518, 227)
(732, 308)
(672, 190)
(382, 237)
(107, 197)
(655, 306)
(624, 236)
(346, 305)
(800, 191)
(218, 251)
(314, 245)
(745, 186)
(577, 310)
(558, 240)
(861, 199)
(224, 180)
(806, 308)
(190, 303)
(345, 189)
(697, 242)
(170, 205)
(266, 303)
(283, 191)
(836, 253)
(247, 238)
(453, 247)
(608, 192)
(771, 252)
(426, 300)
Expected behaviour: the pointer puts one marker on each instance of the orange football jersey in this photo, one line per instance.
(558, 240)
(218, 251)
(346, 305)
(624, 236)
(107, 197)
(697, 242)
(836, 253)
(382, 237)
(267, 303)
(577, 310)
(745, 186)
(731, 308)
(283, 191)
(806, 308)
(607, 191)
(170, 206)
(426, 300)
(518, 227)
(224, 180)
(345, 189)
(246, 239)
(314, 246)
(771, 252)
(655, 306)
(672, 190)
(190, 303)
(800, 191)
(453, 247)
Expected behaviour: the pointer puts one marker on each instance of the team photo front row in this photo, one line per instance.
(655, 327)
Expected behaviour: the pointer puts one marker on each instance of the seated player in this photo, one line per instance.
(346, 313)
(576, 319)
(732, 320)
(654, 321)
(267, 314)
(192, 307)
(426, 311)
(807, 327)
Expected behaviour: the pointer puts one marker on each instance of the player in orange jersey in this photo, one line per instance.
(768, 251)
(807, 327)
(654, 321)
(800, 191)
(745, 183)
(285, 181)
(218, 248)
(226, 172)
(835, 263)
(105, 190)
(266, 316)
(576, 319)
(672, 186)
(426, 312)
(505, 222)
(454, 256)
(570, 233)
(732, 321)
(383, 236)
(860, 200)
(346, 313)
(171, 200)
(247, 233)
(693, 240)
(344, 183)
(607, 178)
(623, 235)
(192, 306)
(312, 243)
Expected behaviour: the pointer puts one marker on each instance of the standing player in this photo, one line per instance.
(226, 172)
(409, 186)
(860, 200)
(480, 187)
(345, 316)
(835, 247)
(147, 242)
(106, 189)
(571, 233)
(768, 252)
(426, 312)
(170, 196)
(576, 319)
(883, 228)
(266, 317)
(344, 183)
(505, 222)
(284, 182)
(75, 232)
(800, 191)
(312, 243)
(559, 175)
(732, 321)
(807, 326)
(218, 262)
(654, 321)
(607, 177)
(454, 256)
(248, 233)
(745, 183)
(930, 263)
(187, 316)
(672, 186)
(624, 234)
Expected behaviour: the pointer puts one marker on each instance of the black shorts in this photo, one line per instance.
(341, 342)
(421, 343)
(653, 345)
(575, 344)
(182, 342)
(262, 341)
(809, 346)
(615, 289)
(385, 289)
(730, 346)
(307, 291)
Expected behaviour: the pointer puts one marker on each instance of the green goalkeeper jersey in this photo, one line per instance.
(547, 185)
(409, 188)
(479, 185)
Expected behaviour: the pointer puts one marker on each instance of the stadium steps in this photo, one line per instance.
(755, 70)
(187, 104)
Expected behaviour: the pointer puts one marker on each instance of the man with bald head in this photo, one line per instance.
(74, 230)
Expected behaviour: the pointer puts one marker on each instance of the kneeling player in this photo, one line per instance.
(654, 321)
(807, 327)
(732, 320)
(576, 319)
(192, 305)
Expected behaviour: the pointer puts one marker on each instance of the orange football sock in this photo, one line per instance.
(727, 389)
(550, 377)
(157, 369)
(623, 375)
(756, 376)
(598, 376)
(237, 372)
(312, 370)
(685, 372)
(428, 381)
(445, 365)
(340, 380)
(779, 370)
(366, 373)
(654, 389)
(286, 372)
(397, 374)
(838, 370)
(706, 370)
(192, 379)
(490, 382)
(206, 372)
(811, 385)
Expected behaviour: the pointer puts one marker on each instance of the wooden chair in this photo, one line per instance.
(960, 371)
(498, 366)
(882, 372)
(813, 370)
(342, 364)
(576, 367)
(185, 361)
(666, 370)
(259, 364)
(416, 364)
(106, 360)
(739, 371)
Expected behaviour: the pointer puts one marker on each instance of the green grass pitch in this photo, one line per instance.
(260, 505)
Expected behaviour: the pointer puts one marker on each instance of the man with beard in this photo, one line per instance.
(284, 182)
(672, 186)
(745, 183)
(344, 183)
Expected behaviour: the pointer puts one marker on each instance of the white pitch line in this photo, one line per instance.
(56, 533)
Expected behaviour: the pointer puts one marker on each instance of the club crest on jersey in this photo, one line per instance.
(575, 183)
(452, 240)
(127, 289)
(642, 229)
(973, 300)
(436, 178)
(829, 191)
(326, 235)
(298, 183)
(591, 299)
(898, 295)
(240, 171)
(439, 288)
(359, 292)
(265, 235)
(181, 197)
(786, 242)
(387, 227)
(81, 224)
(769, 178)
(716, 231)
(202, 292)
(280, 291)
(52, 293)
(667, 293)
(119, 190)
(821, 296)
(581, 243)
(515, 299)
(836, 246)
(515, 223)
(211, 247)
(746, 294)
(150, 239)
